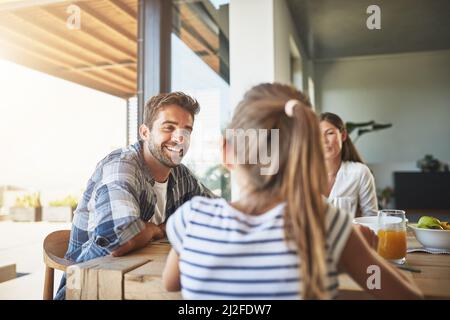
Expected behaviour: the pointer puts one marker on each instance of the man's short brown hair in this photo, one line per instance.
(164, 99)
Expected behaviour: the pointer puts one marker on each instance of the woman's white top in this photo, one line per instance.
(354, 187)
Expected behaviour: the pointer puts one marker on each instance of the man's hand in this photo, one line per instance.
(369, 236)
(162, 228)
(150, 232)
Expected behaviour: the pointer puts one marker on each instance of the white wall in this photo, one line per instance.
(260, 51)
(283, 28)
(411, 91)
(251, 45)
(259, 44)
(285, 33)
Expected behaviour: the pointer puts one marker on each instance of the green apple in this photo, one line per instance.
(429, 223)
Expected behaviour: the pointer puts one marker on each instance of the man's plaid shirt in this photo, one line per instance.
(119, 199)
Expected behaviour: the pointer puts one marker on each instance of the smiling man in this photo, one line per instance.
(135, 189)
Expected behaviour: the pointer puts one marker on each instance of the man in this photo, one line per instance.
(135, 189)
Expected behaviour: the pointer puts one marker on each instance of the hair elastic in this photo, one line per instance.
(289, 107)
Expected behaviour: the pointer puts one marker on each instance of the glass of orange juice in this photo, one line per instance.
(392, 235)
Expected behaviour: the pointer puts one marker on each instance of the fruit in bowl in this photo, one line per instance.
(427, 222)
(432, 233)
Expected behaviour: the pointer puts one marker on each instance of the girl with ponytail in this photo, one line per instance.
(350, 186)
(280, 239)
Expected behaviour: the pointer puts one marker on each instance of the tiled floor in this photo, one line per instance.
(21, 243)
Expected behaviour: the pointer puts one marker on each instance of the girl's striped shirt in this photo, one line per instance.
(226, 254)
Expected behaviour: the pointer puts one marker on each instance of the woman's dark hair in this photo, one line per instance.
(349, 152)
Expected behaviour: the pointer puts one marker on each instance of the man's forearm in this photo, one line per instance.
(140, 240)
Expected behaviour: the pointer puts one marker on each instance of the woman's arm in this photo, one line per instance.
(367, 194)
(356, 258)
(368, 235)
(171, 273)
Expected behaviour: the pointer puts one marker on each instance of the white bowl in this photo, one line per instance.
(372, 221)
(432, 238)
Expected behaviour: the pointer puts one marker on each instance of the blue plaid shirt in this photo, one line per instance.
(119, 199)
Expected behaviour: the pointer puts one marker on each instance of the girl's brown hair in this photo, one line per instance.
(300, 180)
(349, 152)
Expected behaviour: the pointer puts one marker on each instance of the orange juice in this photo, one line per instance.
(392, 244)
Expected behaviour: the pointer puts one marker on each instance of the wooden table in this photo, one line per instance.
(433, 280)
(138, 276)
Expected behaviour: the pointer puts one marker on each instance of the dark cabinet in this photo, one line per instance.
(422, 190)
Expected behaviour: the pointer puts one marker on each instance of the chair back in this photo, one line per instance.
(55, 247)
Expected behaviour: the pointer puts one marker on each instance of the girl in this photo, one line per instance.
(350, 183)
(280, 240)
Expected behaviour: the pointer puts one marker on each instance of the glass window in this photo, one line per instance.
(65, 72)
(132, 120)
(200, 67)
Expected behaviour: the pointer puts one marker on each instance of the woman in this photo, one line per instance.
(351, 185)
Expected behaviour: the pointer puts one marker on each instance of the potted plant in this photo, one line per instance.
(60, 210)
(384, 197)
(431, 164)
(27, 208)
(217, 179)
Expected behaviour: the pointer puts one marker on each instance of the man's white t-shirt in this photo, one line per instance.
(161, 199)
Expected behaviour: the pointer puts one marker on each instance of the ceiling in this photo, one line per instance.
(337, 28)
(102, 53)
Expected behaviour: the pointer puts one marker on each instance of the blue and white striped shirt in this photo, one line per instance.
(226, 254)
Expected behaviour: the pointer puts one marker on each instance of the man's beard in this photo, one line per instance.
(157, 151)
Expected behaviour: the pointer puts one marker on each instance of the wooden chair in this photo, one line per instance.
(55, 247)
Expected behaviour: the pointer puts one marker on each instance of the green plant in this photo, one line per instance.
(384, 197)
(218, 178)
(365, 127)
(68, 201)
(29, 201)
(431, 164)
